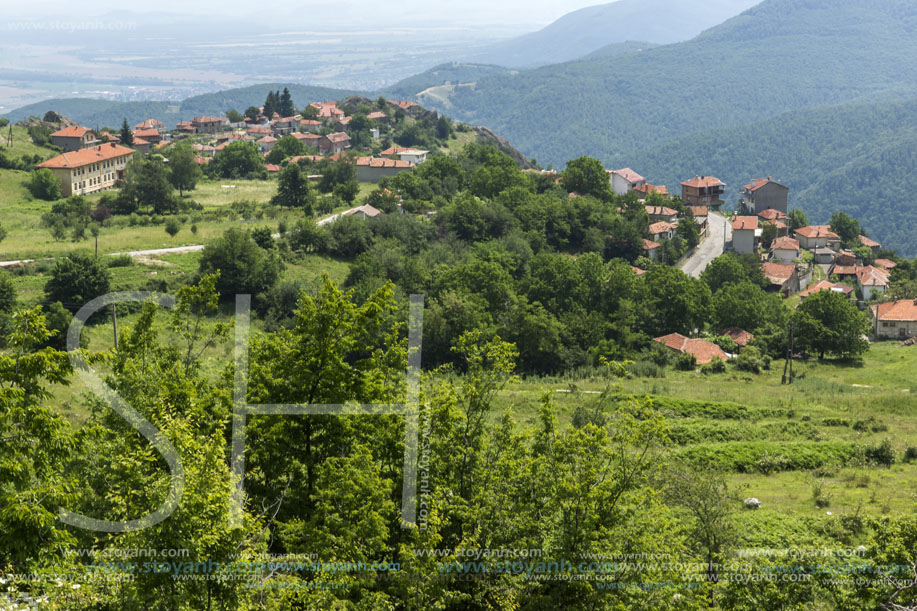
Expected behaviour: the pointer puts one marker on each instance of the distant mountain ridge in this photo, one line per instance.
(582, 32)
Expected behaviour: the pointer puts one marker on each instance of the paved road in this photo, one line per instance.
(710, 248)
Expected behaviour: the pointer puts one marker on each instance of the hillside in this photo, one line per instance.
(453, 73)
(780, 56)
(848, 158)
(581, 32)
(98, 113)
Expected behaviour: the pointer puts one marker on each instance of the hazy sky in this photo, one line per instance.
(486, 12)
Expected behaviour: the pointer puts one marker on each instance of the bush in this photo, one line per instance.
(244, 267)
(76, 280)
(685, 362)
(121, 261)
(752, 361)
(44, 185)
(173, 227)
(717, 365)
(870, 424)
(882, 454)
(835, 422)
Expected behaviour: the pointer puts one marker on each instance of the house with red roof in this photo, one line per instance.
(209, 124)
(647, 189)
(150, 135)
(662, 231)
(90, 170)
(310, 125)
(871, 281)
(151, 124)
(895, 319)
(266, 144)
(364, 211)
(651, 249)
(826, 285)
(886, 264)
(745, 234)
(702, 350)
(783, 277)
(374, 169)
(333, 143)
(870, 243)
(661, 214)
(142, 146)
(703, 191)
(624, 181)
(764, 194)
(817, 236)
(700, 215)
(74, 138)
(784, 250)
(739, 336)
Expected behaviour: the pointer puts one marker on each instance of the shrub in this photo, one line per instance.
(882, 454)
(910, 454)
(835, 422)
(121, 261)
(717, 365)
(870, 424)
(685, 362)
(752, 361)
(77, 279)
(244, 267)
(820, 494)
(44, 185)
(173, 226)
(646, 369)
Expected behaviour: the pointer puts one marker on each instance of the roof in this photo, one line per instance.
(377, 114)
(660, 211)
(703, 181)
(648, 188)
(771, 214)
(745, 223)
(825, 285)
(817, 231)
(412, 151)
(740, 336)
(140, 141)
(657, 228)
(885, 263)
(74, 131)
(702, 350)
(305, 122)
(365, 209)
(869, 242)
(760, 182)
(785, 243)
(271, 167)
(149, 124)
(902, 310)
(209, 119)
(697, 211)
(628, 175)
(778, 273)
(845, 270)
(383, 162)
(392, 150)
(872, 276)
(338, 137)
(146, 133)
(95, 154)
(268, 139)
(650, 245)
(638, 271)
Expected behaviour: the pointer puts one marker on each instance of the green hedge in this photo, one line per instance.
(716, 410)
(771, 456)
(692, 431)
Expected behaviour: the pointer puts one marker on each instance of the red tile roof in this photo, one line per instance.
(650, 245)
(660, 211)
(845, 270)
(885, 263)
(365, 209)
(271, 167)
(817, 231)
(658, 228)
(756, 184)
(146, 133)
(628, 175)
(377, 114)
(702, 350)
(310, 122)
(785, 243)
(382, 162)
(149, 124)
(638, 271)
(825, 285)
(703, 181)
(902, 310)
(268, 140)
(697, 211)
(872, 276)
(74, 131)
(209, 119)
(338, 137)
(647, 189)
(745, 223)
(740, 336)
(95, 154)
(771, 214)
(778, 273)
(870, 243)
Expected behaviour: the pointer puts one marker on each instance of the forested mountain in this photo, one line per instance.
(779, 56)
(581, 32)
(98, 113)
(620, 48)
(856, 158)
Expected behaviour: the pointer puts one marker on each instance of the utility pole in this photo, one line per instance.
(788, 364)
(114, 320)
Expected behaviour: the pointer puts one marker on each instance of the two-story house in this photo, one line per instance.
(624, 181)
(745, 234)
(817, 236)
(333, 144)
(763, 194)
(74, 138)
(895, 320)
(89, 170)
(703, 191)
(785, 249)
(209, 125)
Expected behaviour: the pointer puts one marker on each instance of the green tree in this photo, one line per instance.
(587, 176)
(286, 108)
(796, 218)
(172, 227)
(252, 112)
(830, 323)
(243, 266)
(732, 268)
(294, 190)
(846, 227)
(234, 116)
(335, 173)
(238, 160)
(43, 184)
(183, 170)
(70, 217)
(146, 186)
(76, 280)
(126, 134)
(747, 306)
(287, 146)
(673, 302)
(687, 230)
(768, 235)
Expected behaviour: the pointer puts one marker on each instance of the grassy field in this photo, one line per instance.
(830, 404)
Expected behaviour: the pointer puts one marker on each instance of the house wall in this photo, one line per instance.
(785, 255)
(895, 329)
(743, 241)
(368, 174)
(91, 178)
(415, 159)
(769, 196)
(870, 291)
(619, 185)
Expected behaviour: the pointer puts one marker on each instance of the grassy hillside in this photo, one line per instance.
(853, 158)
(100, 113)
(780, 56)
(583, 31)
(454, 73)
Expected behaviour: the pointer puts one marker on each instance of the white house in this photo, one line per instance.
(895, 320)
(784, 249)
(871, 281)
(624, 180)
(744, 230)
(817, 236)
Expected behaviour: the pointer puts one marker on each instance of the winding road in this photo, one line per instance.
(719, 233)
